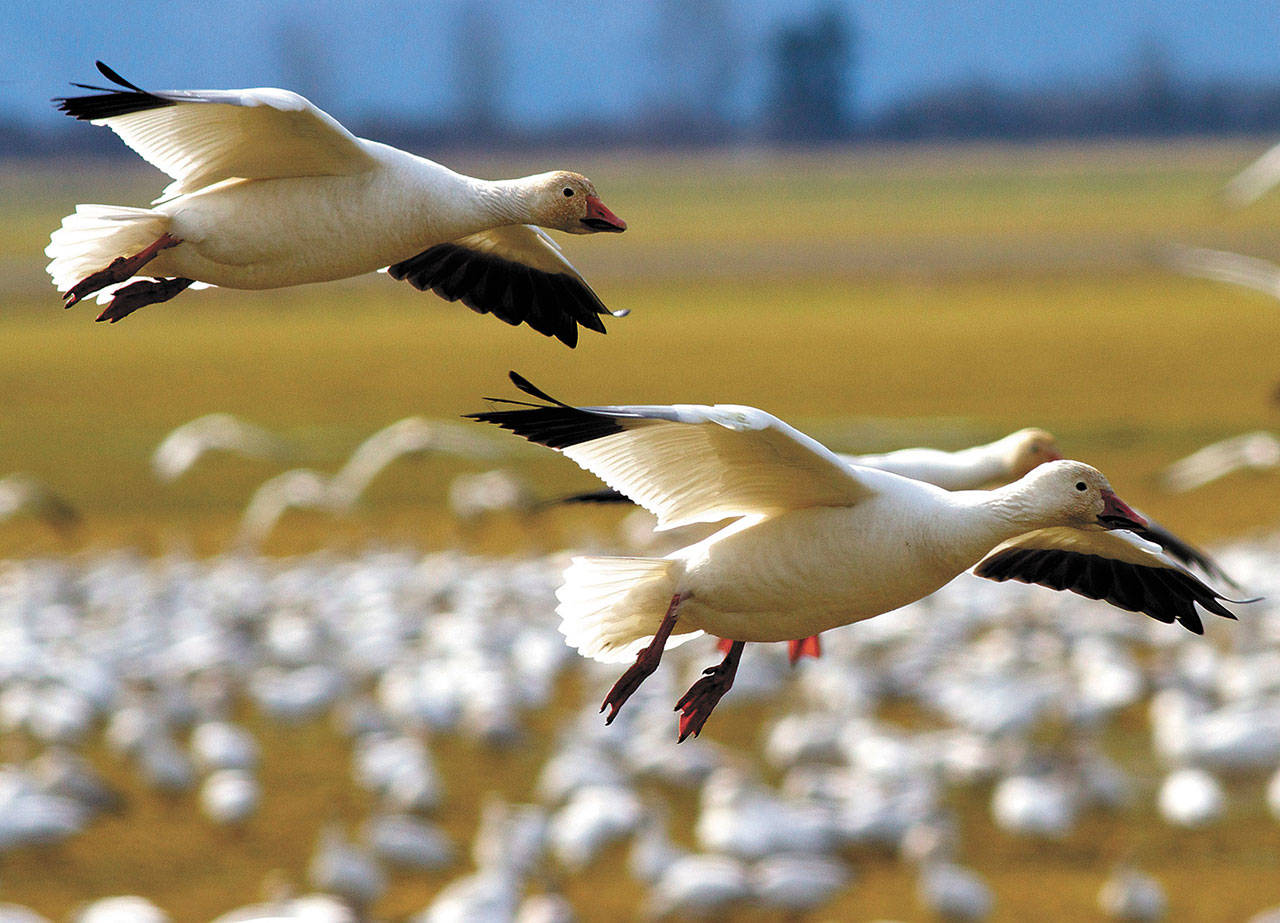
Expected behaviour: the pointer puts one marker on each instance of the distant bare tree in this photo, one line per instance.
(813, 63)
(700, 51)
(479, 68)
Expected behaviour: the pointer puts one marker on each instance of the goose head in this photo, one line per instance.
(1027, 449)
(568, 202)
(1071, 493)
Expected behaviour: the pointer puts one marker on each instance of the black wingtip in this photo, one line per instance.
(116, 78)
(533, 390)
(108, 102)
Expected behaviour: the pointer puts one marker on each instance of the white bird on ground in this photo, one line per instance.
(229, 796)
(122, 909)
(269, 191)
(407, 842)
(796, 883)
(485, 895)
(510, 837)
(305, 908)
(954, 892)
(1191, 798)
(214, 432)
(410, 436)
(802, 516)
(1256, 451)
(23, 495)
(699, 886)
(347, 870)
(1035, 805)
(298, 488)
(223, 745)
(1130, 895)
(16, 913)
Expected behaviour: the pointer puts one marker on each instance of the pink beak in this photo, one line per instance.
(599, 218)
(1116, 514)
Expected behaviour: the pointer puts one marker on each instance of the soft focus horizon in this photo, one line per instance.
(719, 71)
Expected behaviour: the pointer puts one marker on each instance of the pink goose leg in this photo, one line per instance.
(121, 268)
(646, 662)
(698, 702)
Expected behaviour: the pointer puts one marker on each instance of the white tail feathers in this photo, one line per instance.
(608, 606)
(94, 235)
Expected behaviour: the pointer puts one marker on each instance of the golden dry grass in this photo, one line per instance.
(868, 298)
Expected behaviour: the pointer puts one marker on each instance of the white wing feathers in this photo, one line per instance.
(689, 463)
(202, 137)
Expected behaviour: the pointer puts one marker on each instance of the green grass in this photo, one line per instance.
(874, 299)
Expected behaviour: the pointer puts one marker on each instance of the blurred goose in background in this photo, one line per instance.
(473, 496)
(23, 495)
(797, 883)
(803, 515)
(269, 191)
(214, 432)
(1257, 451)
(229, 796)
(1130, 895)
(699, 886)
(124, 909)
(1191, 798)
(298, 488)
(1224, 266)
(1254, 181)
(410, 436)
(954, 892)
(343, 868)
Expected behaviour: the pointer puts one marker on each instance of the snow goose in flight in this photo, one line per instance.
(1257, 451)
(1254, 181)
(410, 436)
(269, 191)
(1224, 266)
(993, 463)
(815, 543)
(214, 432)
(22, 494)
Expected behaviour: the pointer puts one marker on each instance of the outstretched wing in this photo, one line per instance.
(689, 463)
(1113, 566)
(201, 137)
(516, 273)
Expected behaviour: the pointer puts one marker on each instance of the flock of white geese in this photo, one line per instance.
(781, 540)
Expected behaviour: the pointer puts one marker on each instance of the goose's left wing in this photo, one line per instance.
(1115, 566)
(516, 273)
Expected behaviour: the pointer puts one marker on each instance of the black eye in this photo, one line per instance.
(567, 192)
(1081, 486)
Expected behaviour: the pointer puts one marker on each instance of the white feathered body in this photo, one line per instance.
(788, 576)
(808, 571)
(267, 233)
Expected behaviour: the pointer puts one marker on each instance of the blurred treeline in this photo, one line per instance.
(806, 79)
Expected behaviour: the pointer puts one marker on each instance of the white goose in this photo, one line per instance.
(269, 191)
(213, 432)
(1254, 181)
(816, 543)
(1006, 459)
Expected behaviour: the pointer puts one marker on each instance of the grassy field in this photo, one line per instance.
(873, 298)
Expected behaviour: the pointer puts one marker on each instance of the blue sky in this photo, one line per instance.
(573, 61)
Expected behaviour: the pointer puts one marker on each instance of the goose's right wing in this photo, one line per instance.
(201, 137)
